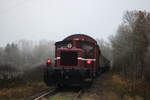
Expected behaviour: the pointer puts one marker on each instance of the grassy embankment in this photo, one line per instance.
(117, 87)
(21, 91)
(106, 87)
(22, 86)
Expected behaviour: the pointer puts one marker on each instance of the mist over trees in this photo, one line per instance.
(105, 48)
(131, 45)
(25, 53)
(22, 60)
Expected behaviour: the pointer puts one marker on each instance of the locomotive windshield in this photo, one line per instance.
(69, 58)
(87, 46)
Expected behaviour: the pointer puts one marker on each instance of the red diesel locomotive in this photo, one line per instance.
(77, 61)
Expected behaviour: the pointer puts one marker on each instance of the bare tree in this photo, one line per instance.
(105, 48)
(130, 44)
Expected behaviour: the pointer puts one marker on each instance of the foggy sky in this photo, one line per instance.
(56, 19)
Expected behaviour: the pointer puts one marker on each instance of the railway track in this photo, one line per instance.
(43, 94)
(78, 95)
(47, 93)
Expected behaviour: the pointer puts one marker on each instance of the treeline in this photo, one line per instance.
(24, 60)
(131, 46)
(106, 48)
(26, 53)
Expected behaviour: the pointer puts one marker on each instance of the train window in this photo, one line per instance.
(87, 46)
(64, 44)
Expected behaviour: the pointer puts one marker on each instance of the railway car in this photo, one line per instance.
(77, 61)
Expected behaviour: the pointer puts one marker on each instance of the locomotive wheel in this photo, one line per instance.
(60, 85)
(98, 73)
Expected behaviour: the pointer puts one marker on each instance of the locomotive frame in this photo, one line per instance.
(77, 61)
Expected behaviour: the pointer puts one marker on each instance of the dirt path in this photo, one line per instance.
(98, 91)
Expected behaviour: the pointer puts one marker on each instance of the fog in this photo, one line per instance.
(30, 28)
(56, 19)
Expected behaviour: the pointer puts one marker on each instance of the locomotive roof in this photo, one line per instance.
(80, 37)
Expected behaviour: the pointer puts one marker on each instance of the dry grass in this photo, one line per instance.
(121, 84)
(63, 96)
(20, 92)
(127, 97)
(107, 87)
(133, 89)
(117, 87)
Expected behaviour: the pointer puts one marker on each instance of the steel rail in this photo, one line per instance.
(78, 94)
(46, 93)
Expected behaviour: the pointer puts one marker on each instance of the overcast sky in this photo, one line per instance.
(56, 19)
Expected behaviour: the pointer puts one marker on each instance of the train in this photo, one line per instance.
(78, 60)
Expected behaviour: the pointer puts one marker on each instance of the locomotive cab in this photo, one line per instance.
(70, 65)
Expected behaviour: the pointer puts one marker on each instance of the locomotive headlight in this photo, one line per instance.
(69, 45)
